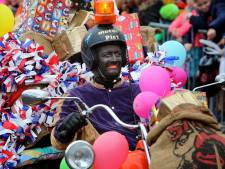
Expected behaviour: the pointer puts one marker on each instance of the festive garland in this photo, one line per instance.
(24, 64)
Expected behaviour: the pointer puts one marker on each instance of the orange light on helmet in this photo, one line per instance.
(104, 12)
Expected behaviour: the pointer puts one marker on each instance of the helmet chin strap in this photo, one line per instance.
(100, 78)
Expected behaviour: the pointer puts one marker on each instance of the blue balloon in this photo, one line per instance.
(174, 48)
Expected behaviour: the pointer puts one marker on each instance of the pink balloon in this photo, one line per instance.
(144, 102)
(155, 79)
(179, 76)
(2, 1)
(111, 150)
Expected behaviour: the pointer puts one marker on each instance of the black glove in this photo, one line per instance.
(69, 126)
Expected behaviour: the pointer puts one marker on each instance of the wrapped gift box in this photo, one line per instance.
(47, 17)
(129, 24)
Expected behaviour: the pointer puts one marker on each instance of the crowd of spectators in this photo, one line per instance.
(194, 16)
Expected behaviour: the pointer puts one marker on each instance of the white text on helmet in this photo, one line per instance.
(107, 31)
(111, 37)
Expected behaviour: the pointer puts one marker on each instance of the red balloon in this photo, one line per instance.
(111, 150)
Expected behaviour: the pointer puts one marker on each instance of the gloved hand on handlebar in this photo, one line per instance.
(69, 126)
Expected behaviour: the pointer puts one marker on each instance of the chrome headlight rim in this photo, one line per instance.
(79, 145)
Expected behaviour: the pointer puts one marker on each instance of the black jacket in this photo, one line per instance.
(214, 18)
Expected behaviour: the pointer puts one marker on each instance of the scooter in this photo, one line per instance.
(80, 154)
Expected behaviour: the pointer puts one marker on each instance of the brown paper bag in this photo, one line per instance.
(148, 37)
(40, 39)
(186, 137)
(79, 19)
(181, 97)
(68, 43)
(62, 45)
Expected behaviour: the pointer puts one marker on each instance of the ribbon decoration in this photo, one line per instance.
(23, 64)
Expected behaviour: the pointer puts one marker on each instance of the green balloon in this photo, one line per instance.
(63, 164)
(169, 12)
(158, 37)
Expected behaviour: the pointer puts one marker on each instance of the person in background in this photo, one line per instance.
(211, 16)
(128, 6)
(149, 11)
(181, 25)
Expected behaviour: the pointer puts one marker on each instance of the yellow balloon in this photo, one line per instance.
(7, 20)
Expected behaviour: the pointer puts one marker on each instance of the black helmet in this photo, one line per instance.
(101, 35)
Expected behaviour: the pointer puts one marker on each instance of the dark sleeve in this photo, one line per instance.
(219, 22)
(188, 38)
(199, 22)
(135, 89)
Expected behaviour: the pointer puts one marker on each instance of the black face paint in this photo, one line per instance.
(109, 65)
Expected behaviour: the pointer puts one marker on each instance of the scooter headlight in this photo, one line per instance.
(79, 155)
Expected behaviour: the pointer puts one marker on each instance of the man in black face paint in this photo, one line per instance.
(104, 51)
(110, 63)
